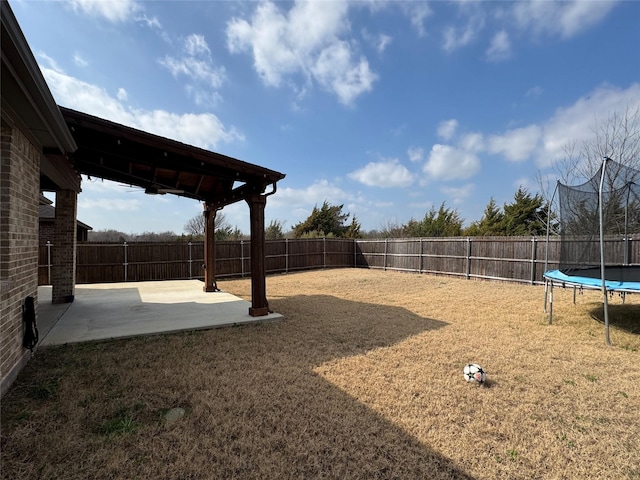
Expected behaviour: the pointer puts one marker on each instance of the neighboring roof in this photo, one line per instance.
(48, 212)
(160, 165)
(27, 103)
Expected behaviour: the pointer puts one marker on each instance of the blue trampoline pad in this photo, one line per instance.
(557, 276)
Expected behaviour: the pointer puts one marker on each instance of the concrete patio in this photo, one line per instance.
(118, 310)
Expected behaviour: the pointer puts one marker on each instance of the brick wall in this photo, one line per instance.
(64, 247)
(19, 195)
(47, 232)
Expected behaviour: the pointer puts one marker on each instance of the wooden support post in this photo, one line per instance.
(259, 305)
(209, 249)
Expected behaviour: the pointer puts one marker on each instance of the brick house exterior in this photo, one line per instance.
(19, 189)
(47, 216)
(34, 148)
(39, 153)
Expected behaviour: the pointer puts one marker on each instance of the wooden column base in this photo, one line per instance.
(258, 312)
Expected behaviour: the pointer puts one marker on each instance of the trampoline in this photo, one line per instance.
(596, 222)
(617, 279)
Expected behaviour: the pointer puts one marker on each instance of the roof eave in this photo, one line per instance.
(18, 59)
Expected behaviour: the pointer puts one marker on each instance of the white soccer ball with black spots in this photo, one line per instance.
(474, 373)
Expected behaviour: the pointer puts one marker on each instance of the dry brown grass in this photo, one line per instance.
(363, 379)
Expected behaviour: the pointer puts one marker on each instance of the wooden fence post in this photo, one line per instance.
(324, 252)
(386, 244)
(468, 272)
(286, 255)
(355, 253)
(242, 258)
(533, 260)
(125, 261)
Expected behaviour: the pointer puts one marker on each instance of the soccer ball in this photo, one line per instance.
(474, 373)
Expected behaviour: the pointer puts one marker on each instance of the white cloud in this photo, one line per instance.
(457, 37)
(78, 60)
(336, 71)
(152, 22)
(518, 19)
(576, 122)
(303, 42)
(48, 61)
(386, 174)
(500, 48)
(448, 163)
(447, 129)
(415, 154)
(112, 10)
(379, 42)
(459, 194)
(203, 130)
(516, 145)
(108, 203)
(122, 94)
(195, 69)
(196, 45)
(383, 42)
(198, 67)
(565, 18)
(544, 142)
(418, 12)
(472, 142)
(304, 199)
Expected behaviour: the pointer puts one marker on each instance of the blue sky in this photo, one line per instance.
(387, 107)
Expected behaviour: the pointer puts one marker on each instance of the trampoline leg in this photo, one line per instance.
(574, 295)
(606, 319)
(551, 304)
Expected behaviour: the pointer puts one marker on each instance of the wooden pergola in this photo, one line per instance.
(159, 165)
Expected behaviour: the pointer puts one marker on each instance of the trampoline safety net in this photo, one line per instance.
(579, 222)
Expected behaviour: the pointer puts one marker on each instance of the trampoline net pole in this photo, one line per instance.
(602, 265)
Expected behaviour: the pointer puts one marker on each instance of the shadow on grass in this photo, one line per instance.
(255, 407)
(621, 316)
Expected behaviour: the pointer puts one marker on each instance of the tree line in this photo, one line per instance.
(617, 137)
(526, 215)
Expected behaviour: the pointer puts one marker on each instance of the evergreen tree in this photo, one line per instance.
(354, 229)
(275, 230)
(527, 215)
(326, 221)
(442, 223)
(491, 223)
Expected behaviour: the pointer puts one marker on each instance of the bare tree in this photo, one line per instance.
(195, 226)
(616, 137)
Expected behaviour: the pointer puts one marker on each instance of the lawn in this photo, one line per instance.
(362, 379)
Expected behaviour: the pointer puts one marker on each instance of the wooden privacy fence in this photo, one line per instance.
(134, 262)
(517, 259)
